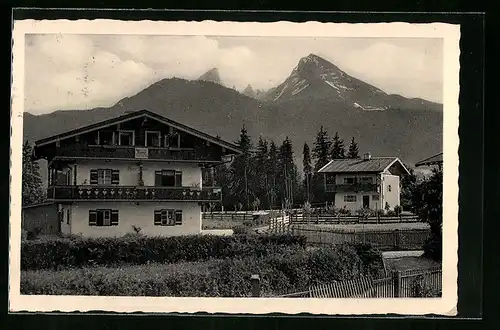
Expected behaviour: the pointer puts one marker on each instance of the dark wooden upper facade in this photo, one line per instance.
(141, 135)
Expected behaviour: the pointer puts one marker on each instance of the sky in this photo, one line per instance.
(66, 71)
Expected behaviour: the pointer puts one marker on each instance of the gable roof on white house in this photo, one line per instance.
(360, 165)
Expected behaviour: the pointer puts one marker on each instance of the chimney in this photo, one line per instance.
(367, 156)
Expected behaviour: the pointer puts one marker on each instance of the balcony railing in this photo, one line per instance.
(355, 187)
(137, 193)
(157, 153)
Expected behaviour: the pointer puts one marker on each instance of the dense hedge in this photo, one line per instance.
(291, 269)
(57, 253)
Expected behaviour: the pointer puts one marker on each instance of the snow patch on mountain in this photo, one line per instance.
(332, 85)
(369, 108)
(281, 92)
(299, 89)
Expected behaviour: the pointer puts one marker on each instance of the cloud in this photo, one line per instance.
(87, 71)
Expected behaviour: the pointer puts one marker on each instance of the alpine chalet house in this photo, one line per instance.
(139, 170)
(368, 182)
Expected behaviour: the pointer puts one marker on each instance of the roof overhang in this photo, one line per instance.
(136, 115)
(397, 160)
(433, 160)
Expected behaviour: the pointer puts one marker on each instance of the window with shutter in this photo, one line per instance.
(104, 176)
(165, 217)
(93, 177)
(92, 218)
(157, 218)
(157, 178)
(114, 217)
(178, 178)
(178, 217)
(115, 177)
(106, 219)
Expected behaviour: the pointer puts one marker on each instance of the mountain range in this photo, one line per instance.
(317, 93)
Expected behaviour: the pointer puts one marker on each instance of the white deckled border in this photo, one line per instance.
(443, 306)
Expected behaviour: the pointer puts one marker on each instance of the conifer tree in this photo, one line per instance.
(306, 162)
(321, 149)
(338, 149)
(242, 172)
(261, 162)
(353, 152)
(287, 173)
(32, 192)
(321, 155)
(272, 173)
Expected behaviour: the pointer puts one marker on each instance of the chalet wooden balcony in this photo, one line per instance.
(134, 193)
(140, 153)
(355, 187)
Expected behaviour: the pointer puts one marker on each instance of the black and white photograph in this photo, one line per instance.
(286, 167)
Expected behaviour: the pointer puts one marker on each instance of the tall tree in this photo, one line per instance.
(338, 149)
(32, 182)
(242, 171)
(287, 173)
(261, 161)
(321, 155)
(272, 173)
(321, 149)
(408, 186)
(353, 151)
(306, 162)
(427, 203)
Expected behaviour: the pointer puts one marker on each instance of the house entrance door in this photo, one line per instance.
(366, 202)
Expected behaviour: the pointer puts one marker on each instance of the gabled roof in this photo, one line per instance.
(134, 115)
(434, 160)
(373, 165)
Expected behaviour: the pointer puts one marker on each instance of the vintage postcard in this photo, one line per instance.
(230, 167)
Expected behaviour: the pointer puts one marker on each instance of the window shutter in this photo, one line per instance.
(93, 177)
(115, 177)
(157, 218)
(178, 217)
(178, 179)
(92, 218)
(157, 178)
(114, 217)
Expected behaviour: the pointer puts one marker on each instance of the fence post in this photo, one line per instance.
(395, 239)
(317, 219)
(255, 279)
(396, 282)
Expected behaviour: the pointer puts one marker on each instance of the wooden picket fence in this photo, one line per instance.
(279, 224)
(238, 216)
(400, 284)
(392, 240)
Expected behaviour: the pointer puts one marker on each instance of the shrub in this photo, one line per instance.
(282, 270)
(56, 253)
(433, 248)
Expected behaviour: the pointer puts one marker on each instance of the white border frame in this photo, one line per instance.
(443, 306)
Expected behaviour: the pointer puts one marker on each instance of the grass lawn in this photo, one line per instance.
(407, 263)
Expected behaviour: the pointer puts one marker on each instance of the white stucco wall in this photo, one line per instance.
(141, 215)
(354, 206)
(129, 172)
(391, 197)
